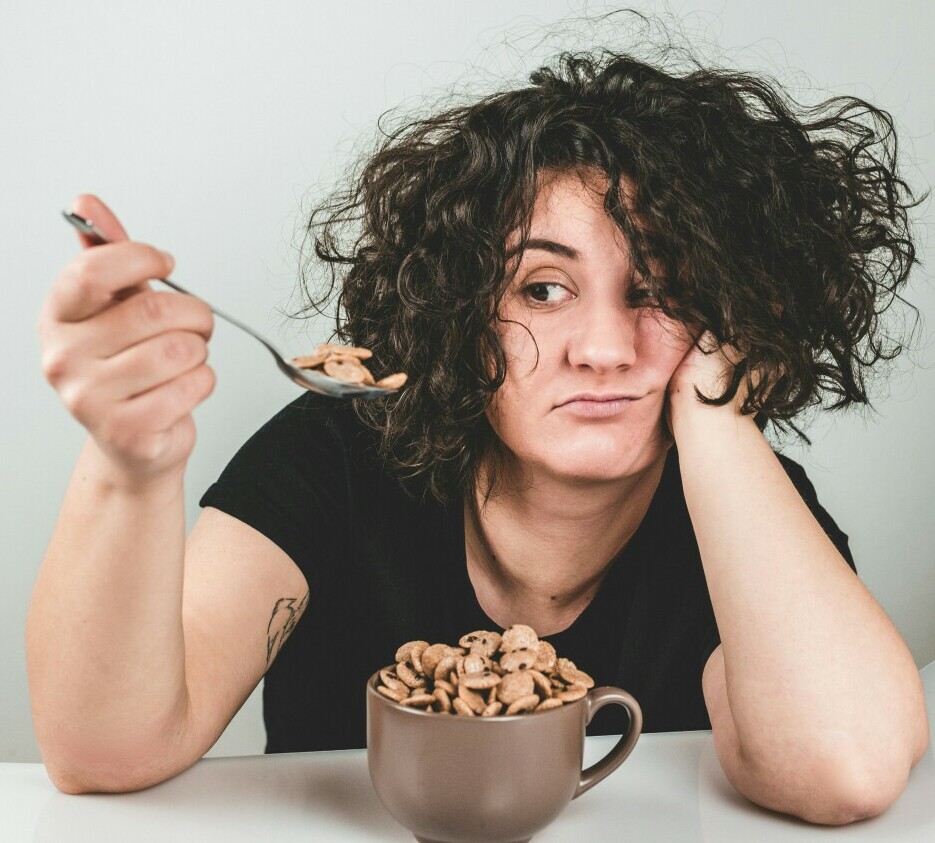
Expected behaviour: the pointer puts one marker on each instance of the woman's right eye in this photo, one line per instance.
(539, 292)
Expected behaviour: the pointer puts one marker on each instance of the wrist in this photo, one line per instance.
(705, 422)
(98, 468)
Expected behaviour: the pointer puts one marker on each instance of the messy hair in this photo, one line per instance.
(778, 227)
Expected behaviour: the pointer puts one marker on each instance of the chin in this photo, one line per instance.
(606, 468)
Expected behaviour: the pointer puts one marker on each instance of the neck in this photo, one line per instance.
(538, 551)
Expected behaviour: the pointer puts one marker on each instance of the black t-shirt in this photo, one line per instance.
(384, 569)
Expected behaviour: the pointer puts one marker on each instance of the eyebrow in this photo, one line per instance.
(550, 246)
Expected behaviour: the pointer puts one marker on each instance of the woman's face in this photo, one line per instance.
(572, 299)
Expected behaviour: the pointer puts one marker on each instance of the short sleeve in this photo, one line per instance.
(289, 482)
(805, 488)
(838, 537)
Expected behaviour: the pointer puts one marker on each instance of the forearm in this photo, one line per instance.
(104, 643)
(813, 666)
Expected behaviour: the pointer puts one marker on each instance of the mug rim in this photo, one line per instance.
(499, 718)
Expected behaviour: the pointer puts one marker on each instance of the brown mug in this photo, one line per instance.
(457, 779)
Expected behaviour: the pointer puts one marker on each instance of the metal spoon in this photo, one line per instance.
(307, 378)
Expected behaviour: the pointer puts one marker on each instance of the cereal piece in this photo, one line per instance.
(419, 699)
(430, 658)
(445, 668)
(461, 707)
(479, 681)
(526, 703)
(309, 361)
(395, 694)
(518, 637)
(473, 663)
(492, 694)
(481, 641)
(391, 681)
(415, 655)
(515, 685)
(546, 659)
(442, 698)
(404, 653)
(492, 710)
(446, 686)
(521, 659)
(574, 692)
(549, 704)
(406, 672)
(542, 683)
(472, 698)
(329, 348)
(570, 673)
(394, 381)
(344, 370)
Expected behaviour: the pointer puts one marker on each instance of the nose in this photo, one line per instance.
(604, 336)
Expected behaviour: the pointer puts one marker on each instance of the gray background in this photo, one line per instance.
(210, 127)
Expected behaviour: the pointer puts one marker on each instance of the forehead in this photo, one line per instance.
(569, 209)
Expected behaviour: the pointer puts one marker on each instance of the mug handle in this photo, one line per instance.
(597, 698)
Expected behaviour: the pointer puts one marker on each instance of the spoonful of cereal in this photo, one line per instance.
(334, 370)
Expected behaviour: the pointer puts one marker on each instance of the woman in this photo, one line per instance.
(602, 286)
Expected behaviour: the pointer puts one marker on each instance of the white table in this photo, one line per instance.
(670, 789)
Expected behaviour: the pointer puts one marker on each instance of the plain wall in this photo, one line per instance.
(209, 127)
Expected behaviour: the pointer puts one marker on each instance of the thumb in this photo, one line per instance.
(88, 205)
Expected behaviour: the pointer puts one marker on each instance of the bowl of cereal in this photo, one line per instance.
(483, 742)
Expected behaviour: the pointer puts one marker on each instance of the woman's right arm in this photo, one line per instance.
(141, 646)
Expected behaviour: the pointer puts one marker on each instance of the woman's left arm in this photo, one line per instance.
(816, 704)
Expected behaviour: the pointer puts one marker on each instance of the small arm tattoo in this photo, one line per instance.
(286, 614)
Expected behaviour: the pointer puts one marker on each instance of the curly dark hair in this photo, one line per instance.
(780, 228)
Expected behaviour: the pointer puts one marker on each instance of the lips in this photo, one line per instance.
(598, 397)
(600, 407)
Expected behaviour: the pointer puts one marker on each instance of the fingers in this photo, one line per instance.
(92, 280)
(141, 368)
(133, 321)
(96, 391)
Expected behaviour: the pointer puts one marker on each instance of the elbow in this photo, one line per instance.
(843, 805)
(73, 780)
(834, 786)
(841, 789)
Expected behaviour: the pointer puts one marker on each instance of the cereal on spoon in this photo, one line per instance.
(345, 363)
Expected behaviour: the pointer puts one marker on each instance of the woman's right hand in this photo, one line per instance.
(128, 361)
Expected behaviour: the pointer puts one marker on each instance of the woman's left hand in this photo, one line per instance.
(711, 373)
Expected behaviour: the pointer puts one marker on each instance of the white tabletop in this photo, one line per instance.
(670, 789)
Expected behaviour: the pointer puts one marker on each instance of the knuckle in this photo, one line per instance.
(157, 264)
(211, 377)
(207, 319)
(182, 347)
(54, 364)
(204, 382)
(154, 307)
(77, 400)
